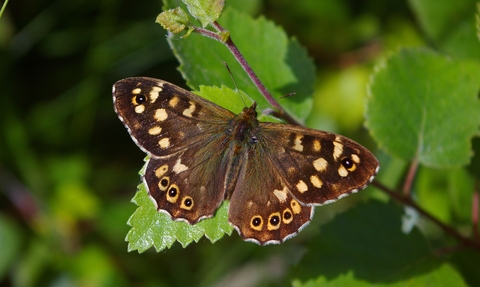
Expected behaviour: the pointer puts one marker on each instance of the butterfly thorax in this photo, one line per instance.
(244, 126)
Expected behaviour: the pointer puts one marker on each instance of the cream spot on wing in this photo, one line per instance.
(297, 145)
(320, 164)
(342, 171)
(164, 143)
(173, 102)
(154, 93)
(188, 112)
(316, 181)
(163, 183)
(296, 207)
(317, 146)
(187, 203)
(256, 223)
(139, 109)
(287, 216)
(136, 91)
(281, 194)
(337, 148)
(355, 158)
(159, 172)
(271, 225)
(161, 115)
(179, 167)
(173, 193)
(155, 130)
(302, 186)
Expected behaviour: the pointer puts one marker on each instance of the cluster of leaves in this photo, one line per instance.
(422, 108)
(68, 167)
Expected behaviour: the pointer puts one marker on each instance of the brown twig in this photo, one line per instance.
(475, 199)
(281, 113)
(412, 171)
(447, 229)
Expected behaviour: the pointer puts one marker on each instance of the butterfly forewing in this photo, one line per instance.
(201, 154)
(163, 118)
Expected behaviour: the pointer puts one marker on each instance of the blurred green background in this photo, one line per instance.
(68, 168)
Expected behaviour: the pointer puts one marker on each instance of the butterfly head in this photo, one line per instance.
(250, 112)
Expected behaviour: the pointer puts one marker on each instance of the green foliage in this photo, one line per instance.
(294, 71)
(9, 235)
(68, 167)
(444, 275)
(387, 257)
(414, 111)
(451, 24)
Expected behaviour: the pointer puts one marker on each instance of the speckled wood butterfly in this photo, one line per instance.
(202, 154)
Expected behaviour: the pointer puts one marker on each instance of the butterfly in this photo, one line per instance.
(202, 154)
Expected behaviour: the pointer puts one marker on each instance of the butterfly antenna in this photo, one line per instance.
(234, 82)
(231, 76)
(288, 95)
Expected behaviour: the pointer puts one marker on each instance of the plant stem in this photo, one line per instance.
(3, 8)
(280, 112)
(475, 199)
(407, 186)
(447, 229)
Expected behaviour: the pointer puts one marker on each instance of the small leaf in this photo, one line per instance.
(234, 101)
(153, 228)
(206, 11)
(231, 100)
(173, 20)
(423, 105)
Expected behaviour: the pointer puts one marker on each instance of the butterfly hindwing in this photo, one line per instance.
(262, 208)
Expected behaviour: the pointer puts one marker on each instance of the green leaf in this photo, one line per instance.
(206, 11)
(423, 105)
(281, 63)
(451, 24)
(232, 100)
(444, 275)
(445, 193)
(225, 97)
(153, 228)
(367, 241)
(173, 20)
